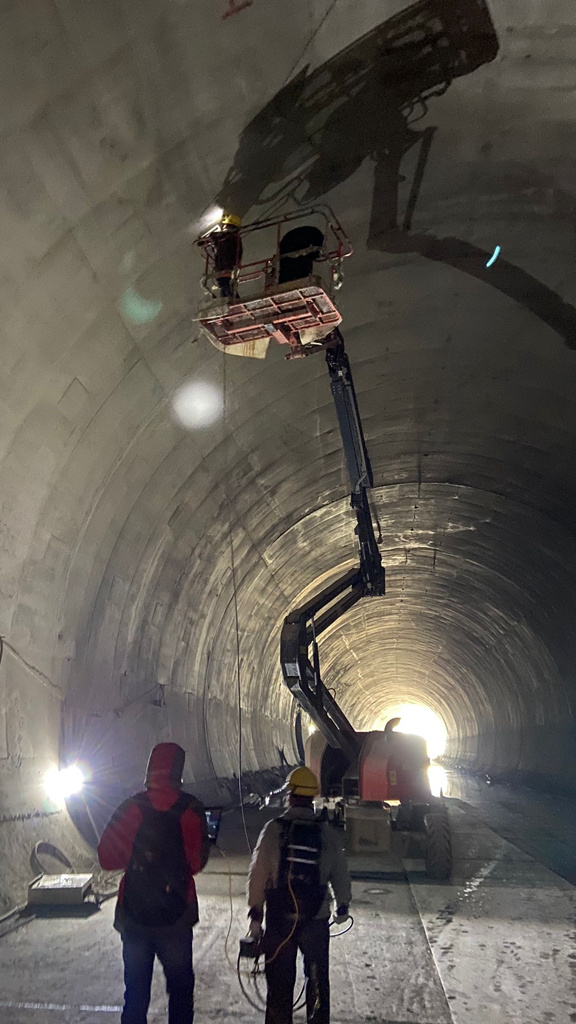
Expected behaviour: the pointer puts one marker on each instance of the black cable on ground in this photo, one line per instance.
(101, 897)
(297, 1005)
(246, 995)
(42, 846)
(51, 851)
(22, 919)
(256, 972)
(13, 912)
(336, 935)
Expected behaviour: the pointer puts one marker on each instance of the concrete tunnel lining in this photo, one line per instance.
(115, 572)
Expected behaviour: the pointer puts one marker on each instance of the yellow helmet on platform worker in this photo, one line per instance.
(231, 219)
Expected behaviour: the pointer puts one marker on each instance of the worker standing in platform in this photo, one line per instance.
(225, 245)
(160, 838)
(297, 861)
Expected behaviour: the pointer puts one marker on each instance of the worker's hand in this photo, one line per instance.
(255, 930)
(342, 914)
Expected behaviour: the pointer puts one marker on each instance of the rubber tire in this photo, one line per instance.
(438, 847)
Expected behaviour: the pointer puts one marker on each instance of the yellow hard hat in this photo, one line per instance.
(302, 782)
(231, 218)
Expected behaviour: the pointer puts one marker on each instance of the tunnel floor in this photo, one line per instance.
(496, 944)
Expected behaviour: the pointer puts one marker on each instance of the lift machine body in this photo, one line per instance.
(375, 785)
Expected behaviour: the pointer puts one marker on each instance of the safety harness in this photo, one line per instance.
(298, 891)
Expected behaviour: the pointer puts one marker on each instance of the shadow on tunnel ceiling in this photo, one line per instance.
(364, 103)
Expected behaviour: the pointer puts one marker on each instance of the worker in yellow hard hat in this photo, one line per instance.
(226, 246)
(298, 868)
(231, 220)
(302, 782)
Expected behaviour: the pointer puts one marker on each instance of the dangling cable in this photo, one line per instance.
(245, 993)
(237, 625)
(239, 688)
(226, 953)
(311, 39)
(296, 916)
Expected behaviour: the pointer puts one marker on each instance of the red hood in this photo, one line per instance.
(165, 766)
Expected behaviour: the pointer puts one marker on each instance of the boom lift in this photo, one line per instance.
(281, 297)
(373, 784)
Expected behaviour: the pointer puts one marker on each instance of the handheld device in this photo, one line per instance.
(213, 820)
(250, 948)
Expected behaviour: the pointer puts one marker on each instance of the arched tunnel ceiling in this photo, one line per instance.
(121, 125)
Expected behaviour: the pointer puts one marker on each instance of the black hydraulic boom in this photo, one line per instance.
(357, 461)
(303, 625)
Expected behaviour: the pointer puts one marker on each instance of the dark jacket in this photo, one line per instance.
(263, 871)
(163, 790)
(226, 249)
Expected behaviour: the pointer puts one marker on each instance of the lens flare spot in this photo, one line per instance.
(198, 404)
(137, 309)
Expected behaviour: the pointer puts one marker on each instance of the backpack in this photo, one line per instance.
(157, 877)
(299, 871)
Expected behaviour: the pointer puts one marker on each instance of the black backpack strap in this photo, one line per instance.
(184, 801)
(194, 804)
(286, 823)
(182, 804)
(142, 801)
(284, 830)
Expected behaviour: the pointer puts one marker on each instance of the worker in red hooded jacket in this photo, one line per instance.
(160, 838)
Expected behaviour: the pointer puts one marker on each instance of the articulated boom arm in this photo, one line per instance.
(357, 461)
(303, 625)
(302, 676)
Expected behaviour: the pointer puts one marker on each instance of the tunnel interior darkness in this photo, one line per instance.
(133, 541)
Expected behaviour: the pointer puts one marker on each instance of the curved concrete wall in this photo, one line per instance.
(121, 124)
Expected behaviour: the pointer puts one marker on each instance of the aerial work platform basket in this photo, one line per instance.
(269, 299)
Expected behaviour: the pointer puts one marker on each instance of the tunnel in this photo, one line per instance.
(149, 560)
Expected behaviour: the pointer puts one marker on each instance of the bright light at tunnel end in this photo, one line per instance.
(64, 782)
(419, 720)
(198, 404)
(438, 779)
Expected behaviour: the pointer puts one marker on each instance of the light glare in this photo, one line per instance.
(437, 777)
(197, 404)
(422, 721)
(65, 782)
(419, 720)
(210, 218)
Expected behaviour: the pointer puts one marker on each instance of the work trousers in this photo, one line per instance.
(173, 947)
(225, 286)
(312, 939)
